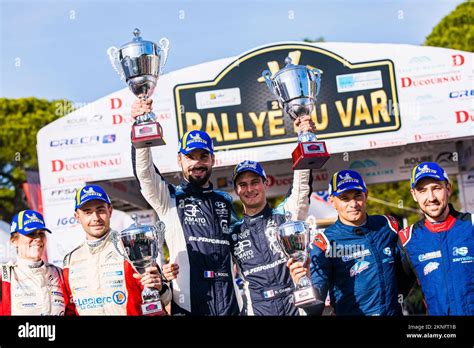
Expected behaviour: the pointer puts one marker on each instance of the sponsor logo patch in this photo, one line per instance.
(429, 256)
(359, 267)
(430, 267)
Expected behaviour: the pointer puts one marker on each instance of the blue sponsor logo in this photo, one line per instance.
(462, 251)
(108, 139)
(461, 94)
(86, 140)
(113, 273)
(119, 297)
(67, 221)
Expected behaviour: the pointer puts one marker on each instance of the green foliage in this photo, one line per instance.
(456, 30)
(20, 121)
(398, 201)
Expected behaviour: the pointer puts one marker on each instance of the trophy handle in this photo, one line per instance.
(112, 52)
(266, 74)
(160, 232)
(317, 74)
(118, 246)
(164, 48)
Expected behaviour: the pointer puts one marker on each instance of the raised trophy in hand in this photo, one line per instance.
(296, 87)
(140, 63)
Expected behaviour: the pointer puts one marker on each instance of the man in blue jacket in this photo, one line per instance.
(357, 259)
(440, 247)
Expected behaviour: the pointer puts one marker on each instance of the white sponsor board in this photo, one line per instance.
(435, 99)
(434, 87)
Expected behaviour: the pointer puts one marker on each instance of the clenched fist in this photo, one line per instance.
(141, 107)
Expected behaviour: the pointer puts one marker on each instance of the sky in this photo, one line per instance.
(57, 49)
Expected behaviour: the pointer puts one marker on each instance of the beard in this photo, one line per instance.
(437, 213)
(200, 181)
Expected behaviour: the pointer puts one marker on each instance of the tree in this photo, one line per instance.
(20, 121)
(394, 198)
(456, 30)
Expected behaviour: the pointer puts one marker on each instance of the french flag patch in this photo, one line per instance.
(268, 294)
(208, 274)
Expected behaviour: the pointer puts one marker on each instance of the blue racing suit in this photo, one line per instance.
(442, 257)
(359, 266)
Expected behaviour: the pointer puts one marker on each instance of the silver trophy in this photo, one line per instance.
(140, 63)
(140, 245)
(294, 237)
(296, 88)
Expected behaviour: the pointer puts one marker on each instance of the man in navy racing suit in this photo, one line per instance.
(197, 220)
(440, 247)
(267, 282)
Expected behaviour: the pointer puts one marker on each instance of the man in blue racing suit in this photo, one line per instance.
(356, 259)
(440, 247)
(267, 282)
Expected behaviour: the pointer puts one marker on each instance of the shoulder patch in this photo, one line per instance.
(392, 223)
(320, 240)
(405, 235)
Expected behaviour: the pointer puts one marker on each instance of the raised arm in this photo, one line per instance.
(153, 187)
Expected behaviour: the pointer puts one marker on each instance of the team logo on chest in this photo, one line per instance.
(243, 248)
(193, 214)
(271, 232)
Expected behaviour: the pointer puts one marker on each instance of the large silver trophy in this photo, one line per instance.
(140, 63)
(296, 88)
(140, 245)
(294, 237)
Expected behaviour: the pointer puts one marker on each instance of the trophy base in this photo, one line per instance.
(147, 135)
(310, 155)
(153, 309)
(305, 297)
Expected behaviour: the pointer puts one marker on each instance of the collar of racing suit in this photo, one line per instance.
(97, 245)
(264, 213)
(443, 225)
(358, 230)
(24, 263)
(186, 186)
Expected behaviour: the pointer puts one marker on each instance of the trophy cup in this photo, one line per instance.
(296, 87)
(140, 63)
(294, 237)
(140, 245)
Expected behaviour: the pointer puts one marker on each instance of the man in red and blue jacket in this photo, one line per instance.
(440, 247)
